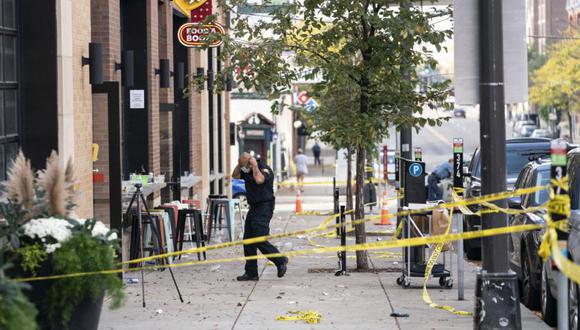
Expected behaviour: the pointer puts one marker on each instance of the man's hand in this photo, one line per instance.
(258, 176)
(253, 163)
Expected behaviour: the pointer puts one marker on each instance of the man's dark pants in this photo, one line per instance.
(258, 224)
(434, 194)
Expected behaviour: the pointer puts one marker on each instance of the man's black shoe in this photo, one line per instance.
(247, 277)
(282, 268)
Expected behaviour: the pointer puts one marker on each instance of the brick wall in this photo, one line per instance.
(82, 106)
(105, 28)
(101, 136)
(199, 130)
(153, 84)
(166, 94)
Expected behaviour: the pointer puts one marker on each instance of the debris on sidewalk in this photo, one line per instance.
(215, 268)
(309, 316)
(132, 280)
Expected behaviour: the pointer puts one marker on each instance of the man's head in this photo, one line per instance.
(244, 159)
(300, 151)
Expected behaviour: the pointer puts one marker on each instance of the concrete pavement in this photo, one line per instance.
(214, 300)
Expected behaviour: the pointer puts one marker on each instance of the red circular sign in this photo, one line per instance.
(303, 97)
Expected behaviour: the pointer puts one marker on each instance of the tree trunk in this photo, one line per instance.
(349, 201)
(359, 229)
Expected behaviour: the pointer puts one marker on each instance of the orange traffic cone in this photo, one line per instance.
(298, 208)
(385, 216)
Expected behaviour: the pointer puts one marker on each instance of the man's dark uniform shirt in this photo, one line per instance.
(259, 193)
(261, 199)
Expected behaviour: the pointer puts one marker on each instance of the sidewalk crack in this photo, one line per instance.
(385, 292)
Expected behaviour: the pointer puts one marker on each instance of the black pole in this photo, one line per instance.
(342, 254)
(497, 297)
(336, 196)
(492, 130)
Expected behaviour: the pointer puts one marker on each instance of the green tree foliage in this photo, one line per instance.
(555, 84)
(372, 45)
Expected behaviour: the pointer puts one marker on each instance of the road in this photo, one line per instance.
(436, 142)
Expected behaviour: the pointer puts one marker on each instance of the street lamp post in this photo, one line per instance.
(497, 299)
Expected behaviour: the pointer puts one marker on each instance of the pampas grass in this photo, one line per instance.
(52, 182)
(70, 182)
(20, 183)
(52, 193)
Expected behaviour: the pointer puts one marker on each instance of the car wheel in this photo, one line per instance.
(243, 200)
(530, 295)
(548, 304)
(573, 297)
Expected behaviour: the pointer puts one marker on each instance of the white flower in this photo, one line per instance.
(50, 248)
(57, 229)
(99, 229)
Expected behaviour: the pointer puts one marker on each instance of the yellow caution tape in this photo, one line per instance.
(399, 229)
(432, 260)
(313, 213)
(472, 201)
(357, 247)
(559, 204)
(309, 316)
(381, 245)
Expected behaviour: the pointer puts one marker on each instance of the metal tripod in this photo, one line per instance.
(138, 196)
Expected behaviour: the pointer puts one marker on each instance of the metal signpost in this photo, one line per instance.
(558, 150)
(458, 183)
(385, 163)
(342, 254)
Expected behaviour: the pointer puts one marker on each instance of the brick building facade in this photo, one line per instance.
(546, 19)
(57, 107)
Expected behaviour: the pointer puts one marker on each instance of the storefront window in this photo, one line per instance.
(9, 103)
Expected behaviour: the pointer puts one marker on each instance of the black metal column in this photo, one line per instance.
(492, 129)
(497, 297)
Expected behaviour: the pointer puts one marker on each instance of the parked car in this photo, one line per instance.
(549, 276)
(523, 246)
(540, 133)
(527, 130)
(574, 252)
(519, 124)
(239, 191)
(519, 152)
(459, 113)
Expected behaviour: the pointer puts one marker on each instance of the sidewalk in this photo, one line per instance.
(214, 300)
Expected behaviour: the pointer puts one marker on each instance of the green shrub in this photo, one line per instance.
(82, 253)
(16, 312)
(31, 257)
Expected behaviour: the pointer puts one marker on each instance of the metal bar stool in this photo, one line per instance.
(223, 208)
(193, 220)
(209, 213)
(149, 233)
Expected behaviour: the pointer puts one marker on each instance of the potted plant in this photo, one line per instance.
(16, 312)
(42, 236)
